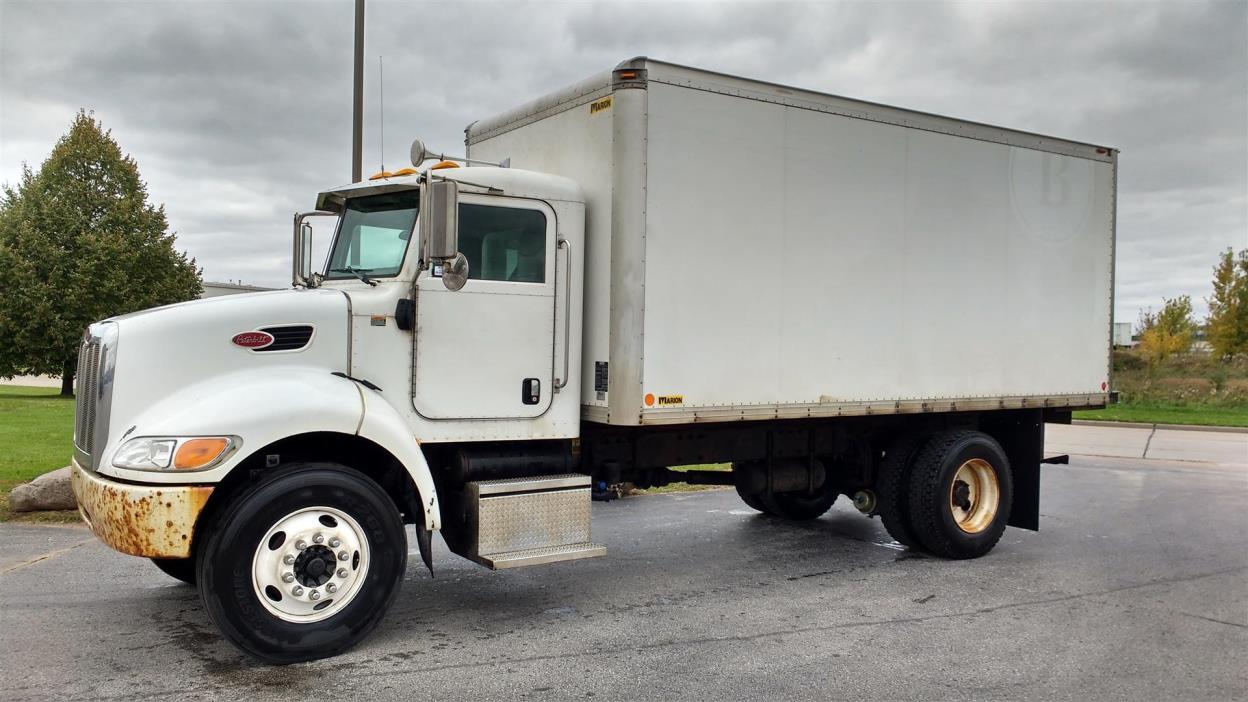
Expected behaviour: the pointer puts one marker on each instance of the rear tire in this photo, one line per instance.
(331, 529)
(892, 489)
(794, 506)
(797, 507)
(960, 494)
(177, 568)
(750, 499)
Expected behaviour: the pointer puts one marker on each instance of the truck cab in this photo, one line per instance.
(368, 364)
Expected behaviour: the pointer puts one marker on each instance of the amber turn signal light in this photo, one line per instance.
(197, 453)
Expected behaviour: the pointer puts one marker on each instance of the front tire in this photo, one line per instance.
(960, 494)
(303, 564)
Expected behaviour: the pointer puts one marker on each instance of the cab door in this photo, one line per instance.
(487, 351)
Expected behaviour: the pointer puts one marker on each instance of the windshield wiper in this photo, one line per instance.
(361, 273)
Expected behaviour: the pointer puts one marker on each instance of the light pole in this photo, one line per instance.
(357, 108)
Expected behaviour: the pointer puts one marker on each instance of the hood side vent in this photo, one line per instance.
(290, 338)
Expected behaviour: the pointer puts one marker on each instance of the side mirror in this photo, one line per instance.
(301, 261)
(305, 247)
(439, 231)
(439, 219)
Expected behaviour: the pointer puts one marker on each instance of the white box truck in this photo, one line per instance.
(659, 266)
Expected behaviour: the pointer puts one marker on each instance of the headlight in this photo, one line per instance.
(163, 453)
(145, 454)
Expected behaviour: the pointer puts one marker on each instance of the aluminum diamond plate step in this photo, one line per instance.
(539, 556)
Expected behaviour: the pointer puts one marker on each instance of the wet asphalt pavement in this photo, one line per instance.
(1136, 587)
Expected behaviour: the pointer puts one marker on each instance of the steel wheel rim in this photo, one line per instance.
(291, 572)
(974, 496)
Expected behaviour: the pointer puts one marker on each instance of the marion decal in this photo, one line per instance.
(664, 400)
(600, 105)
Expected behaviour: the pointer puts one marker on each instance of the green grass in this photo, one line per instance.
(686, 487)
(1200, 415)
(36, 436)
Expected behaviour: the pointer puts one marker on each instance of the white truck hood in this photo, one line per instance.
(165, 359)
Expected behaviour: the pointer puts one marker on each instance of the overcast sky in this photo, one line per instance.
(238, 113)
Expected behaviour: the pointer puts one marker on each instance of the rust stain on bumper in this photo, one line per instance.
(153, 521)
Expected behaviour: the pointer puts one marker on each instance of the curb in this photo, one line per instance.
(1168, 427)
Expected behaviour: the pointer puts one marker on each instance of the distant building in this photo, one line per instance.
(219, 289)
(1122, 334)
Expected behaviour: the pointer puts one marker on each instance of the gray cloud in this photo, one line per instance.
(239, 112)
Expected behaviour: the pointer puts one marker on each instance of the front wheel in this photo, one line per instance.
(303, 564)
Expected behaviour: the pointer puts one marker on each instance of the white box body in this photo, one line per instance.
(755, 251)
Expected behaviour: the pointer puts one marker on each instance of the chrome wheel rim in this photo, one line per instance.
(974, 496)
(310, 564)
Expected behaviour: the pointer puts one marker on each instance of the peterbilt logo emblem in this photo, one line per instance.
(252, 339)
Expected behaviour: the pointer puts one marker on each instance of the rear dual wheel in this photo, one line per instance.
(949, 493)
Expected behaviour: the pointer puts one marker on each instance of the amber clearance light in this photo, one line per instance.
(197, 453)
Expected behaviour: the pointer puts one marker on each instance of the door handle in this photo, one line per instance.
(562, 380)
(531, 391)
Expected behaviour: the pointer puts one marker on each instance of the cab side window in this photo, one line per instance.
(503, 243)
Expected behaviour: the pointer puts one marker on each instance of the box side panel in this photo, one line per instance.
(801, 258)
(575, 143)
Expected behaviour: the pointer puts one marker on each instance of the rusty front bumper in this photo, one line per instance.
(154, 521)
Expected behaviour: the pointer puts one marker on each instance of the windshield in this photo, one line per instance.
(373, 236)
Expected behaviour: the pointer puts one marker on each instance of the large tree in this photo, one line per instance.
(80, 242)
(1228, 308)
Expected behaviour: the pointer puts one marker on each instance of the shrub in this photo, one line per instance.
(1128, 361)
(1186, 390)
(1234, 392)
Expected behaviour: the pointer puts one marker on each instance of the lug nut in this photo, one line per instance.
(334, 543)
(288, 559)
(343, 555)
(301, 544)
(331, 588)
(288, 577)
(297, 591)
(314, 595)
(342, 572)
(318, 539)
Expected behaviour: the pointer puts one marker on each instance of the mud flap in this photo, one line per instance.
(424, 539)
(1021, 434)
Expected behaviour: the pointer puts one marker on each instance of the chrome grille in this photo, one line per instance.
(87, 393)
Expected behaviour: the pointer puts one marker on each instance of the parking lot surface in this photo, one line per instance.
(1136, 587)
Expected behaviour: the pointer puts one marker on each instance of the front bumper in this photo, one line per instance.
(153, 521)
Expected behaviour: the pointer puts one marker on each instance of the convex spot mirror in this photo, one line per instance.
(439, 229)
(455, 272)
